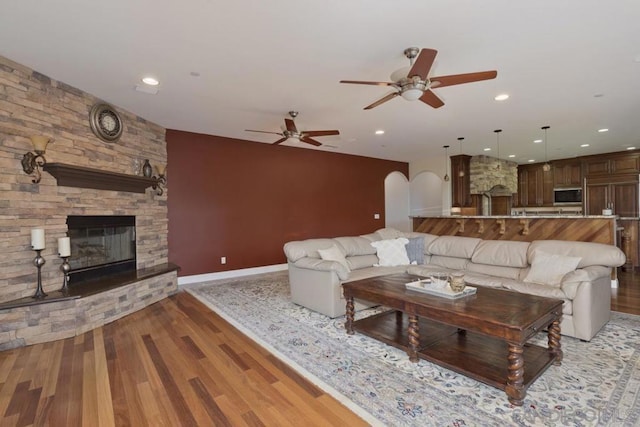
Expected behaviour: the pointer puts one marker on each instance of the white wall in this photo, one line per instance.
(426, 194)
(396, 202)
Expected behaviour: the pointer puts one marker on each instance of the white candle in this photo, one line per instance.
(64, 246)
(37, 239)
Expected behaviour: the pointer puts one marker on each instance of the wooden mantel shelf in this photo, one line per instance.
(79, 176)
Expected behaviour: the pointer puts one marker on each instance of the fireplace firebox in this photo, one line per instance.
(101, 245)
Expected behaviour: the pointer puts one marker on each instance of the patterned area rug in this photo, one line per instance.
(598, 383)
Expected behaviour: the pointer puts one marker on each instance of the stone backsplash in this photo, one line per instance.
(487, 172)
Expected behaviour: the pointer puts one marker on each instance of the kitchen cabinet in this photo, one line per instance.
(607, 165)
(567, 174)
(535, 186)
(460, 180)
(619, 193)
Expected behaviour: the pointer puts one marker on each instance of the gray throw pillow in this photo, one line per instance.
(415, 250)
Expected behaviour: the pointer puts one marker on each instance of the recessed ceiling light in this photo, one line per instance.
(501, 97)
(598, 95)
(487, 149)
(603, 130)
(511, 156)
(537, 141)
(150, 81)
(194, 74)
(379, 132)
(584, 145)
(631, 148)
(531, 160)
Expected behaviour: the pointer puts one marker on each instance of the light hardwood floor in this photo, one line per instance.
(174, 363)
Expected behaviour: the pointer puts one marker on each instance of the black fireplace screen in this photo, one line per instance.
(100, 246)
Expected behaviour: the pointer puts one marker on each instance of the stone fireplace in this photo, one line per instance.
(34, 104)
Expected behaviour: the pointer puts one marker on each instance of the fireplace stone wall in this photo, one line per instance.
(34, 104)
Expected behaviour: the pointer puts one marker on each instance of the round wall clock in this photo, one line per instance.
(105, 122)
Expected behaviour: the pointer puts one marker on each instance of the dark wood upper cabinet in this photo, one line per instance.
(616, 192)
(612, 164)
(460, 181)
(535, 186)
(567, 173)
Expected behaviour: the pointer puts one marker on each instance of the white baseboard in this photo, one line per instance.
(229, 274)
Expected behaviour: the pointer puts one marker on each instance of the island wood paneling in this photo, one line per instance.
(525, 229)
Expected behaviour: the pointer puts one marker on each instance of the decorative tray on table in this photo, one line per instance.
(439, 288)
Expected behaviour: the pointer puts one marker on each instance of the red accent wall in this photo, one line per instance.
(244, 200)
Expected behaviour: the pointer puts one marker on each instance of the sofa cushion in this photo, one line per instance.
(501, 252)
(591, 253)
(454, 246)
(549, 269)
(389, 233)
(333, 254)
(415, 250)
(357, 262)
(355, 245)
(391, 252)
(306, 248)
(449, 262)
(428, 239)
(495, 270)
(542, 290)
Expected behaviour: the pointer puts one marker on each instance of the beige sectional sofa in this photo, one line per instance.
(577, 272)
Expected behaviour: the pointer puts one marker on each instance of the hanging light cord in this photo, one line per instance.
(446, 162)
(546, 158)
(497, 131)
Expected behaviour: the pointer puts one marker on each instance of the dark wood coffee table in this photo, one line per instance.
(483, 336)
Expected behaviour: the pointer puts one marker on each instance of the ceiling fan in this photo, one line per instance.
(292, 132)
(416, 83)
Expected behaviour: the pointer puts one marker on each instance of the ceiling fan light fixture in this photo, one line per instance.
(412, 94)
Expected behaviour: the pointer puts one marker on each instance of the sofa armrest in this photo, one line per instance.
(322, 265)
(571, 281)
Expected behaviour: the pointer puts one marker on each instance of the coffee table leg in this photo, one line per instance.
(414, 338)
(553, 339)
(515, 390)
(350, 313)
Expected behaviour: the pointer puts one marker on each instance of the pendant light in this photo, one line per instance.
(546, 167)
(461, 171)
(497, 131)
(446, 162)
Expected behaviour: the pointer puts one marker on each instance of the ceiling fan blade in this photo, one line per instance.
(280, 141)
(291, 126)
(382, 100)
(423, 63)
(310, 141)
(458, 79)
(428, 97)
(358, 82)
(262, 131)
(320, 133)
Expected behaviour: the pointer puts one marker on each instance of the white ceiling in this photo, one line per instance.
(258, 59)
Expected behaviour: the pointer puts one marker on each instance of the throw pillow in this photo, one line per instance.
(334, 254)
(415, 250)
(549, 269)
(391, 252)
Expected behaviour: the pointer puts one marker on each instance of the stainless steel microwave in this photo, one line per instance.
(567, 196)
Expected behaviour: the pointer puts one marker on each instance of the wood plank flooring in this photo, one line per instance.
(175, 363)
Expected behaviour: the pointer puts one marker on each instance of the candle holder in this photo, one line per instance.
(39, 261)
(65, 268)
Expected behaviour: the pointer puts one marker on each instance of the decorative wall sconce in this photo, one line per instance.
(32, 163)
(161, 179)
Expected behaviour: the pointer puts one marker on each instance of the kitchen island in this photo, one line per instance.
(594, 228)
